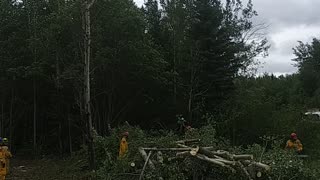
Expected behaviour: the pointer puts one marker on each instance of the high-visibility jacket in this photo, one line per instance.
(4, 155)
(8, 156)
(295, 145)
(123, 147)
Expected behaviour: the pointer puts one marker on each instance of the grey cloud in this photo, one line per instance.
(279, 63)
(288, 21)
(139, 3)
(288, 12)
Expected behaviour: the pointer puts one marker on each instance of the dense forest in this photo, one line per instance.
(149, 66)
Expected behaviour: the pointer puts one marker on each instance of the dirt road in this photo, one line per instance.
(44, 169)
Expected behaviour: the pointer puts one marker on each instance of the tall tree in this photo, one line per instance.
(308, 61)
(210, 46)
(87, 93)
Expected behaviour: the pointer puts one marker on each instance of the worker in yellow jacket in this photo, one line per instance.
(123, 145)
(4, 156)
(6, 148)
(294, 143)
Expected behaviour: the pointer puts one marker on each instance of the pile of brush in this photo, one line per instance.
(186, 148)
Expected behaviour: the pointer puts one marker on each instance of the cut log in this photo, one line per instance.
(180, 155)
(145, 165)
(233, 163)
(168, 149)
(224, 154)
(159, 157)
(254, 171)
(187, 141)
(183, 154)
(213, 161)
(127, 123)
(182, 146)
(188, 153)
(261, 165)
(259, 174)
(245, 170)
(148, 160)
(208, 153)
(257, 164)
(218, 157)
(145, 157)
(210, 148)
(243, 157)
(194, 151)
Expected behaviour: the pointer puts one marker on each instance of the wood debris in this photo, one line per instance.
(236, 163)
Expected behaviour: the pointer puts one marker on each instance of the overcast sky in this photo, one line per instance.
(289, 21)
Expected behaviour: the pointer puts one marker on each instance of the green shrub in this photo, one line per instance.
(285, 165)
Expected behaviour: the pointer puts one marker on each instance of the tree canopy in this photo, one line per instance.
(148, 64)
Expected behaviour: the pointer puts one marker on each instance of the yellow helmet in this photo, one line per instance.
(5, 140)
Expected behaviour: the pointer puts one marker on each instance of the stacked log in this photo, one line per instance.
(221, 158)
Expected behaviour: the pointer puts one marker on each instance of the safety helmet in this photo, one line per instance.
(125, 134)
(5, 140)
(293, 136)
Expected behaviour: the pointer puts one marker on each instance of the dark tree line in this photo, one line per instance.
(147, 65)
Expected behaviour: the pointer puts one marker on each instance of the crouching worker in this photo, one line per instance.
(294, 143)
(4, 159)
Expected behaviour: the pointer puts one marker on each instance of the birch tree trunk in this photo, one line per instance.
(32, 22)
(2, 120)
(34, 116)
(69, 133)
(87, 53)
(11, 118)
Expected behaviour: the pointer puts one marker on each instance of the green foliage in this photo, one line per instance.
(203, 43)
(284, 164)
(262, 106)
(309, 135)
(307, 59)
(148, 65)
(107, 149)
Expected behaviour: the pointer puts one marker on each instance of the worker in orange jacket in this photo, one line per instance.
(294, 143)
(123, 145)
